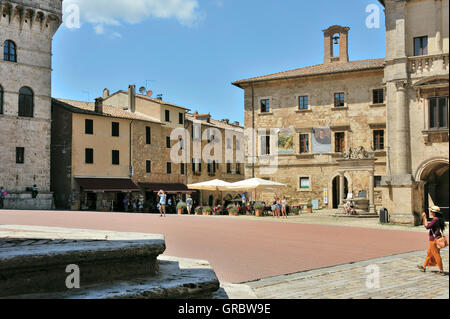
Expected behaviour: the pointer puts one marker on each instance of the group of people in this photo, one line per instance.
(133, 205)
(279, 205)
(164, 202)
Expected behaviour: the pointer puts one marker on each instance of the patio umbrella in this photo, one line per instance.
(255, 184)
(214, 185)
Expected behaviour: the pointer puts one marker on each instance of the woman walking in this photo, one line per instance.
(284, 207)
(436, 227)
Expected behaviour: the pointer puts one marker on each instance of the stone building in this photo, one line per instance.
(26, 31)
(227, 164)
(303, 120)
(124, 145)
(416, 80)
(395, 108)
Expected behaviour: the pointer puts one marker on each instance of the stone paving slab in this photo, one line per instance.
(234, 291)
(399, 278)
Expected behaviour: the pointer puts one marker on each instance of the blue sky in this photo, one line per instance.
(191, 50)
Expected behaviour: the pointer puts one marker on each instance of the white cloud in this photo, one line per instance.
(103, 13)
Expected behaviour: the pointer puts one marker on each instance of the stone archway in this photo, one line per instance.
(435, 178)
(335, 195)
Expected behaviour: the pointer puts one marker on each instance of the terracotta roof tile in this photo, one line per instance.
(108, 111)
(320, 69)
(215, 123)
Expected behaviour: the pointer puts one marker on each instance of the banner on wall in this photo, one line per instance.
(321, 140)
(286, 141)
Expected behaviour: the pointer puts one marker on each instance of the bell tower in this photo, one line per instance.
(27, 28)
(336, 44)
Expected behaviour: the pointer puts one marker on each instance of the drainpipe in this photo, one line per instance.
(253, 132)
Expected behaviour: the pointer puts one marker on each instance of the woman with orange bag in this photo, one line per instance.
(436, 227)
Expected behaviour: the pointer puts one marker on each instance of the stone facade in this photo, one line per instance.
(418, 163)
(30, 25)
(356, 120)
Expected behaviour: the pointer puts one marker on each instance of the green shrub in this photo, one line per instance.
(259, 206)
(309, 205)
(207, 209)
(181, 205)
(295, 210)
(233, 209)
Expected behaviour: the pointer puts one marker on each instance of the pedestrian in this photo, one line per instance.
(3, 194)
(436, 230)
(34, 191)
(284, 207)
(189, 203)
(125, 204)
(162, 203)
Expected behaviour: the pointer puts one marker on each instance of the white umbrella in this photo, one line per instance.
(214, 185)
(255, 184)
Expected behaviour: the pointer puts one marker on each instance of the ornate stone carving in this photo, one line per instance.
(358, 153)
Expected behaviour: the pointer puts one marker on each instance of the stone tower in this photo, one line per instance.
(26, 31)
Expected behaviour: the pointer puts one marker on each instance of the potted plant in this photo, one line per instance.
(181, 206)
(207, 211)
(295, 210)
(217, 210)
(147, 206)
(259, 209)
(309, 208)
(198, 210)
(232, 210)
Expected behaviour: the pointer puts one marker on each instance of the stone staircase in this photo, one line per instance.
(111, 265)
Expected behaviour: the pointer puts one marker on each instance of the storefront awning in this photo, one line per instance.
(168, 188)
(107, 185)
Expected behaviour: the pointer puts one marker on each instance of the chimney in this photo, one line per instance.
(236, 123)
(336, 35)
(227, 121)
(105, 94)
(132, 98)
(99, 105)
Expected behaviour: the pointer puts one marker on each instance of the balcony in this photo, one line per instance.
(428, 65)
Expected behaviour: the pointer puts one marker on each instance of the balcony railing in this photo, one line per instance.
(428, 64)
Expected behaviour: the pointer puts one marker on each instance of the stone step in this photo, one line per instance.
(38, 265)
(177, 278)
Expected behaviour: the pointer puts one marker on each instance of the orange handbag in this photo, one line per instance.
(442, 242)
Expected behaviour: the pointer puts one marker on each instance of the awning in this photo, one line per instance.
(107, 185)
(168, 188)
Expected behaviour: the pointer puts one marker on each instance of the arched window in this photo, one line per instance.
(26, 102)
(1, 100)
(9, 50)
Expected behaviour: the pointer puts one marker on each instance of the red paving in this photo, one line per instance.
(241, 250)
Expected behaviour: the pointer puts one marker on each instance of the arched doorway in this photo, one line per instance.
(436, 188)
(336, 191)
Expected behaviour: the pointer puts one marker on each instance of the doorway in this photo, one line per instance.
(336, 191)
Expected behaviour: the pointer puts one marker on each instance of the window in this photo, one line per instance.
(115, 157)
(265, 145)
(228, 167)
(238, 144)
(167, 141)
(303, 103)
(180, 140)
(148, 166)
(378, 96)
(305, 183)
(1, 100)
(89, 156)
(20, 155)
(377, 181)
(339, 99)
(148, 135)
(10, 51)
(115, 129)
(26, 102)
(212, 167)
(339, 142)
(265, 106)
(196, 132)
(196, 166)
(180, 118)
(304, 143)
(182, 169)
(88, 126)
(378, 140)
(167, 116)
(169, 168)
(438, 112)
(238, 168)
(229, 147)
(421, 46)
